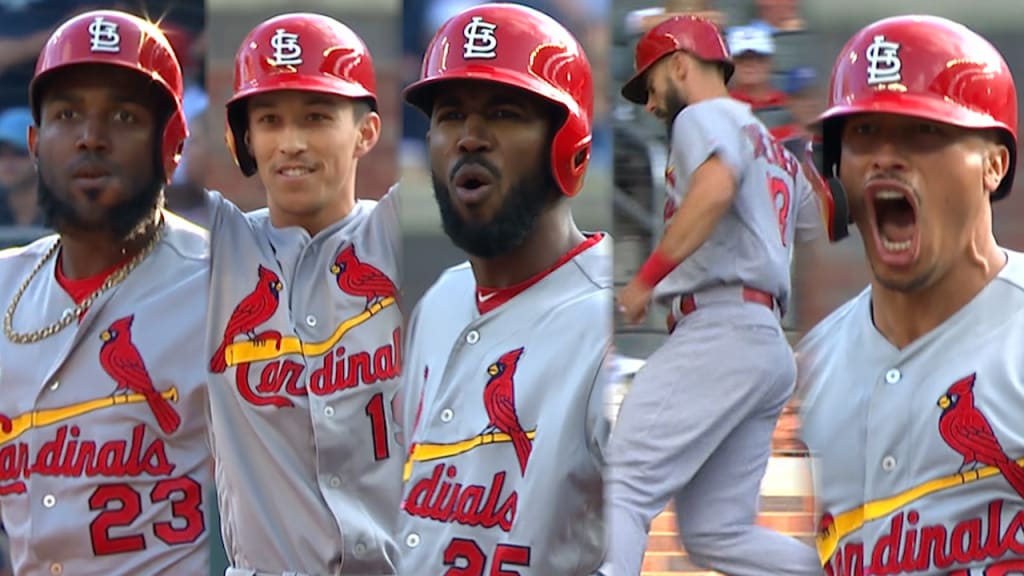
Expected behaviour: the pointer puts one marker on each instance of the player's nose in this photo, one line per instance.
(886, 155)
(95, 133)
(475, 135)
(291, 140)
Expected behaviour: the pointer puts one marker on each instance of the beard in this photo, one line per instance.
(122, 221)
(508, 228)
(674, 104)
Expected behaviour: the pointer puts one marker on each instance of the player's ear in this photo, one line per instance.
(679, 65)
(33, 144)
(367, 134)
(997, 163)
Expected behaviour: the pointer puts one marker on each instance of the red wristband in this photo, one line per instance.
(657, 267)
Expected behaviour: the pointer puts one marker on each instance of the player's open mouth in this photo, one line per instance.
(893, 210)
(471, 183)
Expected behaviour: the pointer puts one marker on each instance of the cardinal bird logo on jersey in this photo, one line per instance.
(966, 430)
(500, 403)
(255, 309)
(121, 360)
(361, 279)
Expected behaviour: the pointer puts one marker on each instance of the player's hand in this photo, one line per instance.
(633, 301)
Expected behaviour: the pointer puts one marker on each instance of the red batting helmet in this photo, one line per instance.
(520, 47)
(925, 67)
(118, 39)
(693, 34)
(300, 51)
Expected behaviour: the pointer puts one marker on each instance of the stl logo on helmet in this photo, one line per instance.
(480, 39)
(287, 51)
(103, 36)
(884, 62)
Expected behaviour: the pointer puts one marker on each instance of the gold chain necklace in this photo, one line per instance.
(69, 315)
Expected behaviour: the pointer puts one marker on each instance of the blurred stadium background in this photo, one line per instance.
(623, 193)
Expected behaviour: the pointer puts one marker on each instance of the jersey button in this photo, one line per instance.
(888, 463)
(55, 384)
(893, 376)
(49, 500)
(473, 337)
(412, 540)
(360, 549)
(56, 568)
(335, 481)
(447, 414)
(311, 320)
(328, 411)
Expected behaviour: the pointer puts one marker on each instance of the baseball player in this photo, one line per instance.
(503, 386)
(306, 337)
(915, 387)
(103, 453)
(697, 423)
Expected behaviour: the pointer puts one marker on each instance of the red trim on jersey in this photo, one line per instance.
(488, 299)
(80, 288)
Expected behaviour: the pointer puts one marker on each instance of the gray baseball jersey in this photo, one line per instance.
(306, 350)
(104, 462)
(505, 419)
(918, 452)
(752, 244)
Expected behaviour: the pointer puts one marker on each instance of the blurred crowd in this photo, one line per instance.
(769, 43)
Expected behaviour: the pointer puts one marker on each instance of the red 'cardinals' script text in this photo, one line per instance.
(907, 548)
(337, 370)
(67, 456)
(441, 498)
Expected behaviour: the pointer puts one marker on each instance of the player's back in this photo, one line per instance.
(886, 428)
(752, 243)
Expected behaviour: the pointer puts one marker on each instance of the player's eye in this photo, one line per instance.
(447, 115)
(928, 128)
(125, 116)
(63, 114)
(864, 128)
(318, 117)
(266, 119)
(507, 112)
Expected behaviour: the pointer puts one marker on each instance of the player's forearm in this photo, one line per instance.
(711, 193)
(696, 219)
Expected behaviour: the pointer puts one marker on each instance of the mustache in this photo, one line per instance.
(474, 158)
(91, 160)
(889, 177)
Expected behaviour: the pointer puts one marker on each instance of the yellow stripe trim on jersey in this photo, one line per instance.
(246, 351)
(428, 452)
(39, 418)
(852, 520)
